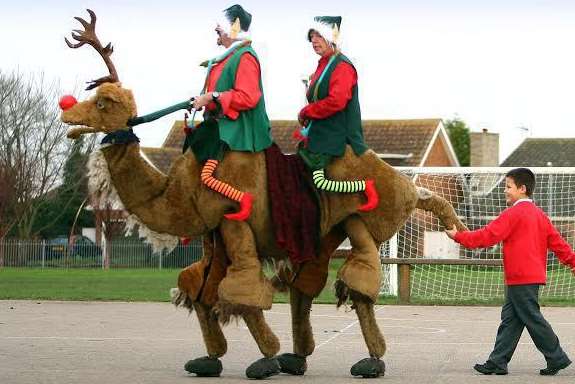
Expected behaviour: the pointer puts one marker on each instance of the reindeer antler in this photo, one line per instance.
(88, 35)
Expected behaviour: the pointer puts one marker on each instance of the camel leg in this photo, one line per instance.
(245, 287)
(360, 279)
(308, 282)
(302, 334)
(371, 366)
(303, 343)
(361, 271)
(267, 342)
(216, 345)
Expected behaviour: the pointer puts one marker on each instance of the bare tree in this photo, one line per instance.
(110, 222)
(33, 148)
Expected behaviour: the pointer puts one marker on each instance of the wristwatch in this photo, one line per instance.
(215, 96)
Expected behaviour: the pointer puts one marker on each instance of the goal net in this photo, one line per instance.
(478, 198)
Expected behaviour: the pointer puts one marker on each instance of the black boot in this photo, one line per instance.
(263, 368)
(553, 369)
(205, 366)
(370, 367)
(292, 364)
(489, 368)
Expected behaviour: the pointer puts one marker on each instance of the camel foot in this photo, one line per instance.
(370, 367)
(263, 368)
(205, 366)
(292, 364)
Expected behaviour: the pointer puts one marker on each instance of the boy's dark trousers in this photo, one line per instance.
(521, 310)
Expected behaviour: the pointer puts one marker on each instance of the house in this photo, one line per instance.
(411, 142)
(543, 152)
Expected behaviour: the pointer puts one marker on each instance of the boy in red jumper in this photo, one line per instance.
(527, 233)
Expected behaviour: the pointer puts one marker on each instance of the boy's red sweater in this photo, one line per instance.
(527, 233)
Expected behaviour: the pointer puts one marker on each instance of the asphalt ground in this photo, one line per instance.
(116, 342)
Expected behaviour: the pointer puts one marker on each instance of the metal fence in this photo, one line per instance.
(122, 254)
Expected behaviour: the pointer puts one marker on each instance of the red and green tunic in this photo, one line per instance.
(334, 112)
(242, 123)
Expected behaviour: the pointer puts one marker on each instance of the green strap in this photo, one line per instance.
(330, 62)
(305, 130)
(161, 113)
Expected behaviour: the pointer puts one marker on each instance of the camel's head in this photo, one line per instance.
(108, 111)
(112, 106)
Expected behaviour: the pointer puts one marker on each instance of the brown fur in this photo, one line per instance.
(370, 330)
(227, 311)
(267, 341)
(214, 339)
(362, 269)
(200, 281)
(302, 333)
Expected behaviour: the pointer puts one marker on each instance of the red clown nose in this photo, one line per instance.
(67, 102)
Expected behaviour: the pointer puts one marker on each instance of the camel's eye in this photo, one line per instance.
(100, 104)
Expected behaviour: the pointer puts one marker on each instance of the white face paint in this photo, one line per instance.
(225, 27)
(326, 31)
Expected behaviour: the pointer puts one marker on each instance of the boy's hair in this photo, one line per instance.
(523, 176)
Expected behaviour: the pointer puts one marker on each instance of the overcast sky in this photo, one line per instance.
(496, 64)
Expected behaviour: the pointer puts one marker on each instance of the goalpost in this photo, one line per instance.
(477, 196)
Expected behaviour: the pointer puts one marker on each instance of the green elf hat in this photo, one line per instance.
(239, 20)
(328, 27)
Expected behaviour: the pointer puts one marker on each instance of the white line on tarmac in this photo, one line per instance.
(496, 319)
(341, 331)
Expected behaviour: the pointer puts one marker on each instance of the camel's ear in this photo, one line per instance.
(112, 91)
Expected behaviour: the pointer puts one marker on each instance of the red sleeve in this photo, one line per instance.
(246, 92)
(341, 84)
(493, 233)
(559, 246)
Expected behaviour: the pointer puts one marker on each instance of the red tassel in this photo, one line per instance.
(299, 137)
(185, 241)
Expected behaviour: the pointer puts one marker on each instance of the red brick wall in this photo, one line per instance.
(438, 155)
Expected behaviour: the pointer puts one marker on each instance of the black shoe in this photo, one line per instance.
(489, 368)
(292, 364)
(553, 369)
(205, 366)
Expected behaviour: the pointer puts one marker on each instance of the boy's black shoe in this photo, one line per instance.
(489, 368)
(553, 369)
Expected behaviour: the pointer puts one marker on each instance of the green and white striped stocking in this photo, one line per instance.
(336, 186)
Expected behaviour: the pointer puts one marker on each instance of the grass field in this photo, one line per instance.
(430, 285)
(113, 284)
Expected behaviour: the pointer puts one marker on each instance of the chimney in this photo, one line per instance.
(484, 149)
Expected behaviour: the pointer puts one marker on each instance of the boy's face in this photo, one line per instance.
(513, 192)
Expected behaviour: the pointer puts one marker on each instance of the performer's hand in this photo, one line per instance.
(202, 101)
(451, 232)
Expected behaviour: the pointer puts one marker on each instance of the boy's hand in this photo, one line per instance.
(451, 232)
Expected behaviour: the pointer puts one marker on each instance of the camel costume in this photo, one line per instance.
(228, 280)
